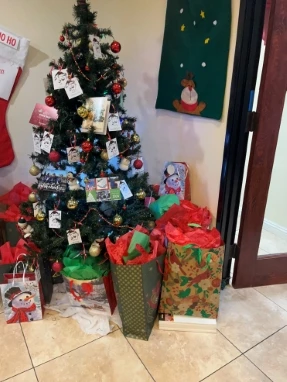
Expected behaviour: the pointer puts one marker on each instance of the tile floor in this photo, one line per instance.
(269, 243)
(250, 345)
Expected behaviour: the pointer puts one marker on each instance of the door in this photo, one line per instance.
(252, 269)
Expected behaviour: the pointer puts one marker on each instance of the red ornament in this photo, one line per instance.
(138, 164)
(54, 156)
(124, 207)
(82, 160)
(62, 38)
(87, 68)
(50, 101)
(116, 47)
(102, 174)
(117, 88)
(87, 146)
(57, 267)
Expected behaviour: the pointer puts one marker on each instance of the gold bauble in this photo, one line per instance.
(123, 82)
(126, 122)
(141, 194)
(91, 45)
(32, 197)
(135, 138)
(104, 155)
(72, 204)
(34, 170)
(151, 224)
(118, 220)
(82, 112)
(40, 216)
(95, 249)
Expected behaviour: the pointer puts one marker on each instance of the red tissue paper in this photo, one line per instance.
(17, 195)
(9, 255)
(199, 237)
(184, 214)
(13, 214)
(119, 249)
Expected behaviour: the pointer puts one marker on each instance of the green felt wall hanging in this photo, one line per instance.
(194, 60)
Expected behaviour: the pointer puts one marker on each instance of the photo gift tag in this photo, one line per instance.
(74, 236)
(37, 142)
(60, 78)
(73, 88)
(55, 219)
(114, 123)
(47, 142)
(112, 148)
(73, 154)
(125, 190)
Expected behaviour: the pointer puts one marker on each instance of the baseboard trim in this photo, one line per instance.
(277, 229)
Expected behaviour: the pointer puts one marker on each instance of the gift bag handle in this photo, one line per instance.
(25, 266)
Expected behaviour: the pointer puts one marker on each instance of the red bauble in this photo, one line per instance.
(87, 146)
(50, 101)
(57, 267)
(87, 68)
(138, 164)
(117, 88)
(83, 160)
(62, 38)
(54, 156)
(116, 47)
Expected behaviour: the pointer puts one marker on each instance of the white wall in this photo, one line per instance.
(139, 26)
(276, 208)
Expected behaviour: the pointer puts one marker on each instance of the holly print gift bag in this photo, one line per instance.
(192, 274)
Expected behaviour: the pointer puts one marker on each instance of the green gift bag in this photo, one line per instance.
(137, 290)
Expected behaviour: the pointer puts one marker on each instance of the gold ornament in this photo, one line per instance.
(91, 45)
(34, 170)
(95, 249)
(135, 138)
(72, 204)
(104, 155)
(123, 82)
(40, 216)
(141, 194)
(32, 197)
(118, 220)
(82, 112)
(126, 122)
(151, 224)
(31, 268)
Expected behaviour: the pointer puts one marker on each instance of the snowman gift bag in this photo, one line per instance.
(22, 297)
(175, 180)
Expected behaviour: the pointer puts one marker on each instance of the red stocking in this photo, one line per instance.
(6, 152)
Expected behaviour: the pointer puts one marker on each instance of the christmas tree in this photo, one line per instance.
(86, 171)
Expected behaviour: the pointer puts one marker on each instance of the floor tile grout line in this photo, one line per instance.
(139, 358)
(16, 375)
(246, 351)
(79, 347)
(229, 341)
(215, 371)
(268, 298)
(36, 374)
(26, 345)
(257, 367)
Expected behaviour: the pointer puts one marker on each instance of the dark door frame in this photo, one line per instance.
(239, 122)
